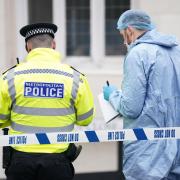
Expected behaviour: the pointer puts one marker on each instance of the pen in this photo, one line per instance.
(107, 82)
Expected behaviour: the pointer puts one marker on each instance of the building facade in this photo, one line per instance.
(88, 40)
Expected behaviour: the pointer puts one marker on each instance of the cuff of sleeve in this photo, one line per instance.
(114, 99)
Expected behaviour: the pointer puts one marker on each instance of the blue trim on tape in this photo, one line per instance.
(42, 138)
(140, 134)
(92, 136)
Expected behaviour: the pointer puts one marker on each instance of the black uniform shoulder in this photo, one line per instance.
(76, 70)
(9, 69)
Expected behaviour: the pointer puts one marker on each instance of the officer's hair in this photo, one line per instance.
(42, 40)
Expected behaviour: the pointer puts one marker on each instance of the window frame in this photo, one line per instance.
(79, 13)
(97, 59)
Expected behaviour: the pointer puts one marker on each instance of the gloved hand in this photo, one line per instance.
(107, 90)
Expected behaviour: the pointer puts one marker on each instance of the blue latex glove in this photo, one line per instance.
(107, 90)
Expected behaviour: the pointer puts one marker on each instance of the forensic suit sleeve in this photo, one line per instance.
(130, 100)
(84, 103)
(5, 104)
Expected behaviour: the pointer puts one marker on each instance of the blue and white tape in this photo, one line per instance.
(91, 136)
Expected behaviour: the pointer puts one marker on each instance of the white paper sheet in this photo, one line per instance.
(108, 112)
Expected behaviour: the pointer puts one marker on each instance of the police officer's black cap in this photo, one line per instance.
(38, 28)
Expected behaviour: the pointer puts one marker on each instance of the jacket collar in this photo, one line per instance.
(43, 54)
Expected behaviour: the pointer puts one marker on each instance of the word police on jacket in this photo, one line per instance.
(42, 89)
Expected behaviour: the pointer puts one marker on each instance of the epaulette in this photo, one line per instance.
(9, 69)
(77, 70)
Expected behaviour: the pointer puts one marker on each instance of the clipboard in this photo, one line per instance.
(108, 112)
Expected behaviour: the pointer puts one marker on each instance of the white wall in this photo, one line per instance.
(165, 15)
(2, 61)
(8, 43)
(2, 37)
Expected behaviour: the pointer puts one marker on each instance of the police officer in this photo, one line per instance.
(43, 95)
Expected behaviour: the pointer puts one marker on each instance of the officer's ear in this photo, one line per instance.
(53, 44)
(28, 47)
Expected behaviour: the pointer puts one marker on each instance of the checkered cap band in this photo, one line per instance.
(39, 31)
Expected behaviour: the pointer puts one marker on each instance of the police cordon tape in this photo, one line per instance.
(91, 136)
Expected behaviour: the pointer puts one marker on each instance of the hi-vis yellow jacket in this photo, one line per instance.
(43, 95)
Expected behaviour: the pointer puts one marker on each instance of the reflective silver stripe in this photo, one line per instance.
(11, 86)
(41, 71)
(34, 129)
(4, 116)
(75, 85)
(43, 111)
(44, 71)
(85, 115)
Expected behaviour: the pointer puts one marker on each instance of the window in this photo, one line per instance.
(78, 27)
(114, 8)
(40, 11)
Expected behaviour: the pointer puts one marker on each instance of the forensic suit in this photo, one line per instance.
(150, 97)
